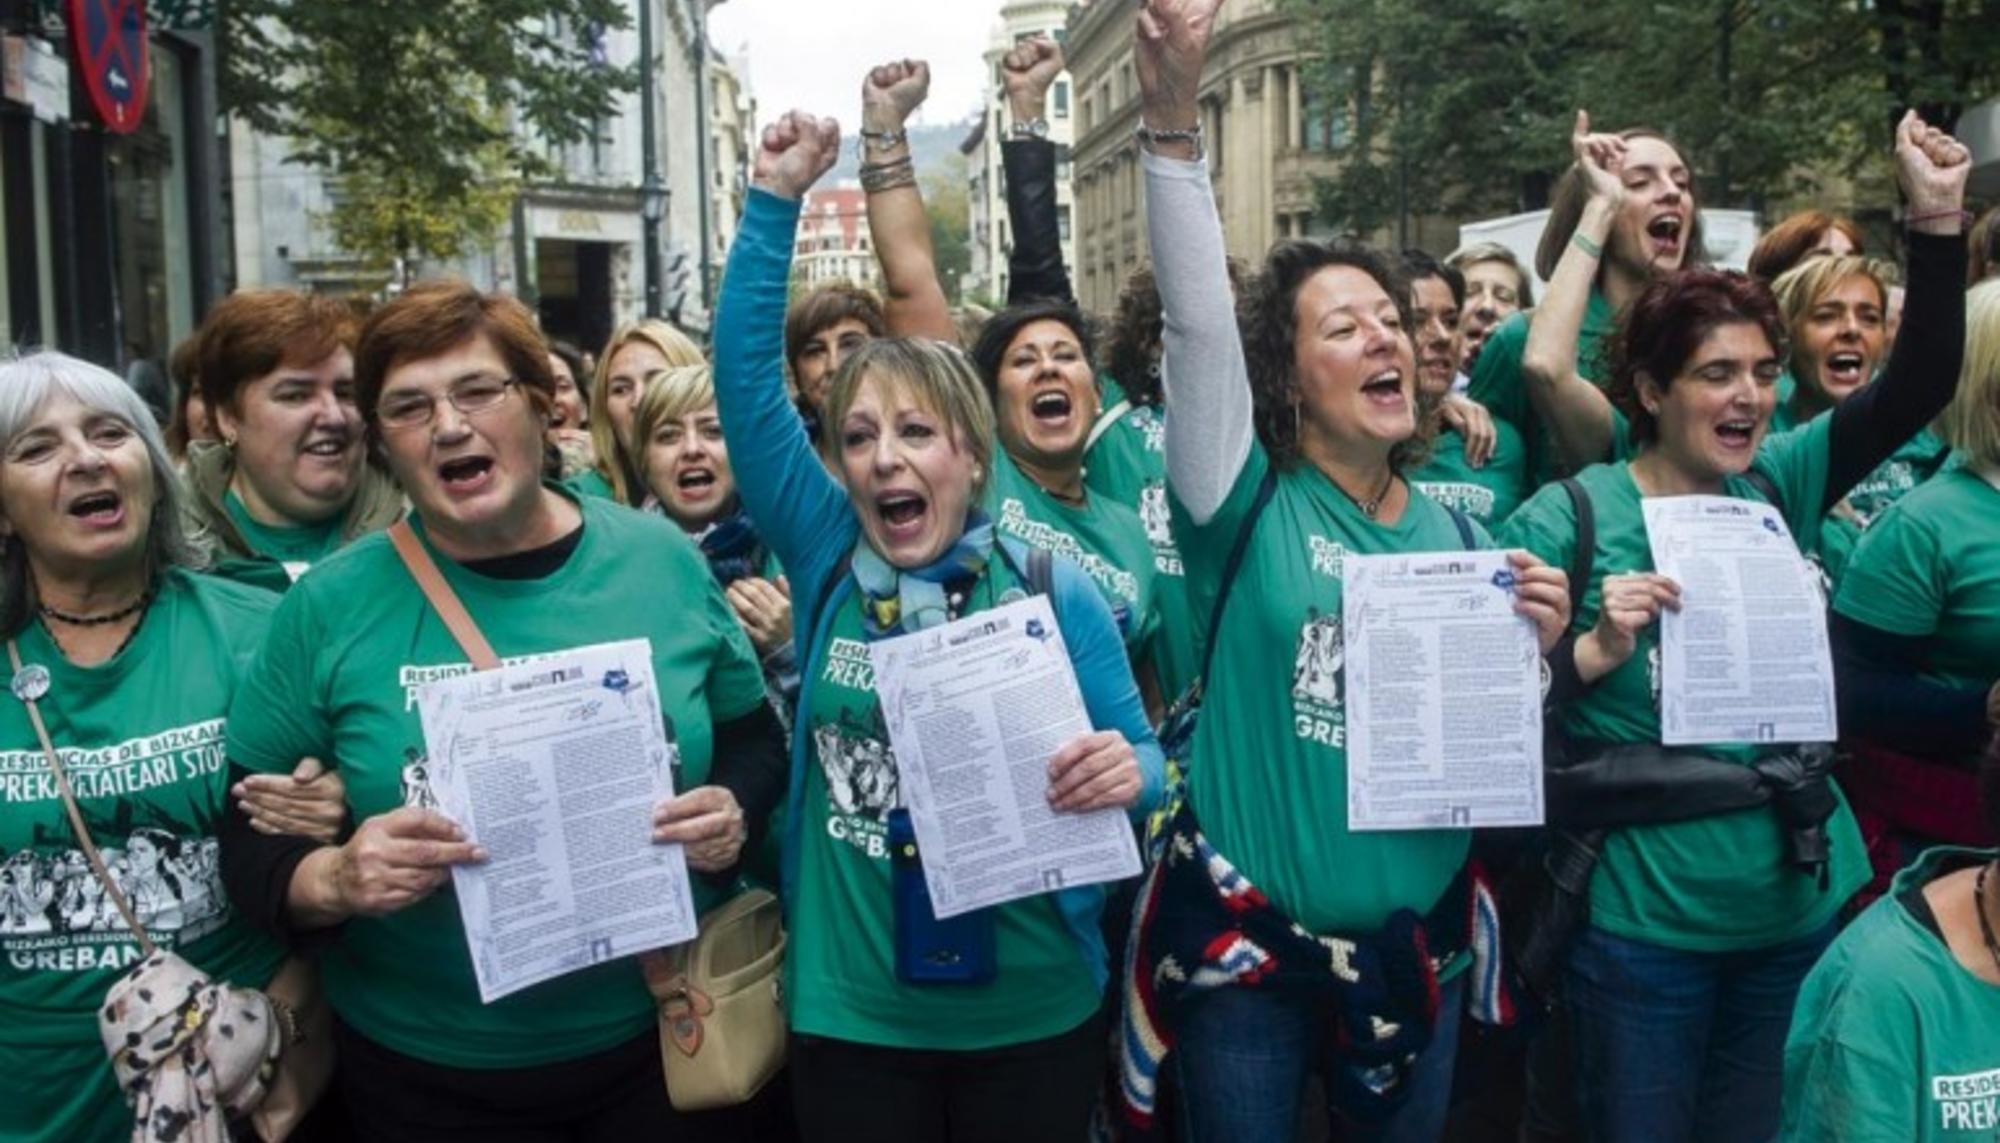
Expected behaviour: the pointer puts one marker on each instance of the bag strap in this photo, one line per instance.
(1467, 538)
(442, 598)
(1237, 550)
(89, 844)
(1105, 420)
(1042, 573)
(1580, 561)
(1765, 488)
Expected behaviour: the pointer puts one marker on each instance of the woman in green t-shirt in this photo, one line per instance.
(892, 541)
(98, 587)
(1897, 1032)
(1681, 985)
(1917, 622)
(456, 389)
(288, 482)
(1295, 455)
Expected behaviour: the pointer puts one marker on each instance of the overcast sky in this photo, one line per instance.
(813, 53)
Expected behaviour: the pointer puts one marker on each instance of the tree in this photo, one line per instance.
(947, 202)
(1462, 107)
(412, 107)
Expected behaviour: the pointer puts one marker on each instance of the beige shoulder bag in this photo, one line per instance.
(721, 1009)
(190, 1052)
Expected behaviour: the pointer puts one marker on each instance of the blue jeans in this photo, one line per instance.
(1675, 1046)
(1241, 1058)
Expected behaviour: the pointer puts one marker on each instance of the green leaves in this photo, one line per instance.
(421, 110)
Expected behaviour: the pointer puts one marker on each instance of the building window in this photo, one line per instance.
(1061, 102)
(1323, 125)
(1062, 221)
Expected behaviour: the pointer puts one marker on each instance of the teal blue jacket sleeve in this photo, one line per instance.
(799, 509)
(1104, 673)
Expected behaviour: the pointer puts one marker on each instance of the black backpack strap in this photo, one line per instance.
(1467, 538)
(1042, 573)
(1582, 560)
(1766, 489)
(1237, 549)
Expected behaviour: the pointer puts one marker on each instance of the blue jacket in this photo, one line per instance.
(804, 514)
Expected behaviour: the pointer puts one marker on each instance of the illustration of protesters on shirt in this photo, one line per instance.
(1316, 668)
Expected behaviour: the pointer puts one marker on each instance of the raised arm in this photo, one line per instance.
(913, 302)
(798, 507)
(1204, 379)
(1922, 373)
(1035, 264)
(1577, 414)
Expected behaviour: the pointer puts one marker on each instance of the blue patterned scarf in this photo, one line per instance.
(895, 601)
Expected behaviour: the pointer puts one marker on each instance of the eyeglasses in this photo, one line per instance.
(470, 397)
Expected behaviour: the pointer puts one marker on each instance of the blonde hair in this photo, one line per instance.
(617, 465)
(936, 376)
(669, 396)
(1971, 423)
(1800, 288)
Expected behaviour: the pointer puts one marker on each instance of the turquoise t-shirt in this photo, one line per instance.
(1269, 772)
(141, 738)
(1129, 465)
(591, 482)
(1498, 384)
(1488, 495)
(1713, 884)
(1920, 458)
(1105, 539)
(338, 679)
(1893, 1038)
(1930, 566)
(296, 548)
(841, 961)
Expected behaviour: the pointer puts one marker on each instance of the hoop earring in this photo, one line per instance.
(1298, 424)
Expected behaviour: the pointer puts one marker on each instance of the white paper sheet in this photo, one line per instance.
(1444, 713)
(555, 766)
(1746, 658)
(975, 710)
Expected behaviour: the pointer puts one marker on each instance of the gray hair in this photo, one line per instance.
(28, 383)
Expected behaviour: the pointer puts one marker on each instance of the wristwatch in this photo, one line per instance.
(1030, 129)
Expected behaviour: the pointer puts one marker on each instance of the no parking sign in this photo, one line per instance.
(109, 39)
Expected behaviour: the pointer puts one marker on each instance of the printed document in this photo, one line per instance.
(1745, 659)
(1444, 712)
(975, 710)
(554, 766)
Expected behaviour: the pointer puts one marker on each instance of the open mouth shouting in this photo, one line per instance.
(1385, 389)
(903, 515)
(1738, 435)
(695, 484)
(1663, 235)
(1051, 409)
(1844, 370)
(102, 509)
(466, 475)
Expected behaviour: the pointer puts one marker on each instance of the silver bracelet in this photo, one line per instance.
(878, 140)
(1152, 137)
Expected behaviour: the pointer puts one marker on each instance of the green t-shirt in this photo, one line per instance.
(141, 737)
(1893, 1039)
(1488, 495)
(1269, 776)
(294, 548)
(591, 482)
(1128, 464)
(338, 679)
(1930, 566)
(1921, 457)
(1717, 883)
(1105, 539)
(1498, 384)
(841, 961)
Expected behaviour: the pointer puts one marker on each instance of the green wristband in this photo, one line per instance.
(1587, 246)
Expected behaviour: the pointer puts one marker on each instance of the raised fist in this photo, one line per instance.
(794, 152)
(1932, 167)
(1028, 71)
(893, 92)
(1170, 48)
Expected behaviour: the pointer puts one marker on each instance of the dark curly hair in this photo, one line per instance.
(1269, 319)
(1132, 350)
(1000, 331)
(1666, 325)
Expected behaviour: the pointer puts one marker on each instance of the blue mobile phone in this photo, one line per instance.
(961, 950)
